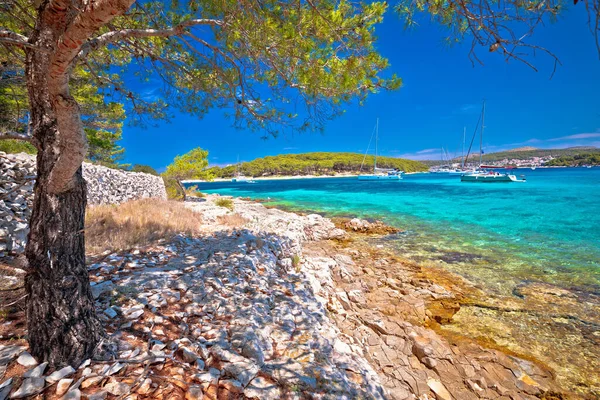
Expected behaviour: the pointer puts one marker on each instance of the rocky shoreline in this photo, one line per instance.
(269, 304)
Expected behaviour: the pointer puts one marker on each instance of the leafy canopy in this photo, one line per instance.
(319, 163)
(103, 120)
(144, 168)
(191, 165)
(271, 65)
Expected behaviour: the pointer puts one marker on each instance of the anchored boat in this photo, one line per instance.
(379, 174)
(482, 175)
(239, 176)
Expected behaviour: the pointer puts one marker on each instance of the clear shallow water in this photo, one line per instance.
(497, 235)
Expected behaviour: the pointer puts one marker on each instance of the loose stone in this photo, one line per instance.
(26, 360)
(29, 387)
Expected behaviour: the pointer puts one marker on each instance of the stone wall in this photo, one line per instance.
(105, 186)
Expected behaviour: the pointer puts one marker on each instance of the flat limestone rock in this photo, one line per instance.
(36, 372)
(117, 388)
(439, 389)
(60, 374)
(262, 389)
(194, 393)
(29, 387)
(63, 386)
(8, 353)
(5, 388)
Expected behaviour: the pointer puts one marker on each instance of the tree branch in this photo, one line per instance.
(15, 136)
(115, 36)
(10, 37)
(72, 140)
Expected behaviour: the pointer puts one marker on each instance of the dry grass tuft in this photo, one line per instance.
(137, 223)
(227, 203)
(232, 220)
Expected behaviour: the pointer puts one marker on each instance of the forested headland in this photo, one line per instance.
(319, 163)
(578, 160)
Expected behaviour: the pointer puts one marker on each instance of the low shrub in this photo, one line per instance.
(172, 188)
(227, 203)
(17, 146)
(296, 262)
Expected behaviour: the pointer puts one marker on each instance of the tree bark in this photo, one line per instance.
(62, 322)
(182, 188)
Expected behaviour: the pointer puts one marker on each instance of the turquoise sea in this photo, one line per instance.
(498, 235)
(530, 250)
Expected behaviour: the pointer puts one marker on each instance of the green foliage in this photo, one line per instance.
(13, 97)
(227, 203)
(320, 163)
(271, 66)
(525, 154)
(144, 168)
(192, 191)
(102, 120)
(173, 188)
(191, 165)
(296, 262)
(522, 154)
(103, 149)
(17, 146)
(577, 160)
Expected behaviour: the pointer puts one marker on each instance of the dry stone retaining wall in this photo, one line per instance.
(105, 186)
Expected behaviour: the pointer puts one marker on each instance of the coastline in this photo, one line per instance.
(535, 317)
(288, 177)
(292, 177)
(268, 303)
(431, 296)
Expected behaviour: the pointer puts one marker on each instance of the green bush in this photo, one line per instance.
(193, 191)
(17, 146)
(296, 262)
(173, 190)
(227, 203)
(144, 168)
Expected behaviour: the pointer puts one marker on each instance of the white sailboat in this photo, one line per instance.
(379, 174)
(485, 176)
(239, 177)
(451, 168)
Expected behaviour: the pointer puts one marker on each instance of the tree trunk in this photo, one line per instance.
(62, 322)
(182, 188)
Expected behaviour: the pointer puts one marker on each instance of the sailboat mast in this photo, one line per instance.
(481, 136)
(376, 140)
(463, 149)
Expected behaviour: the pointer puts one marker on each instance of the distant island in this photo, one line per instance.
(316, 164)
(533, 157)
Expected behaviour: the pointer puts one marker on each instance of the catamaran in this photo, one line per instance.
(482, 175)
(379, 174)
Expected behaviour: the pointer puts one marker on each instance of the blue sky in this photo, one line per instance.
(442, 93)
